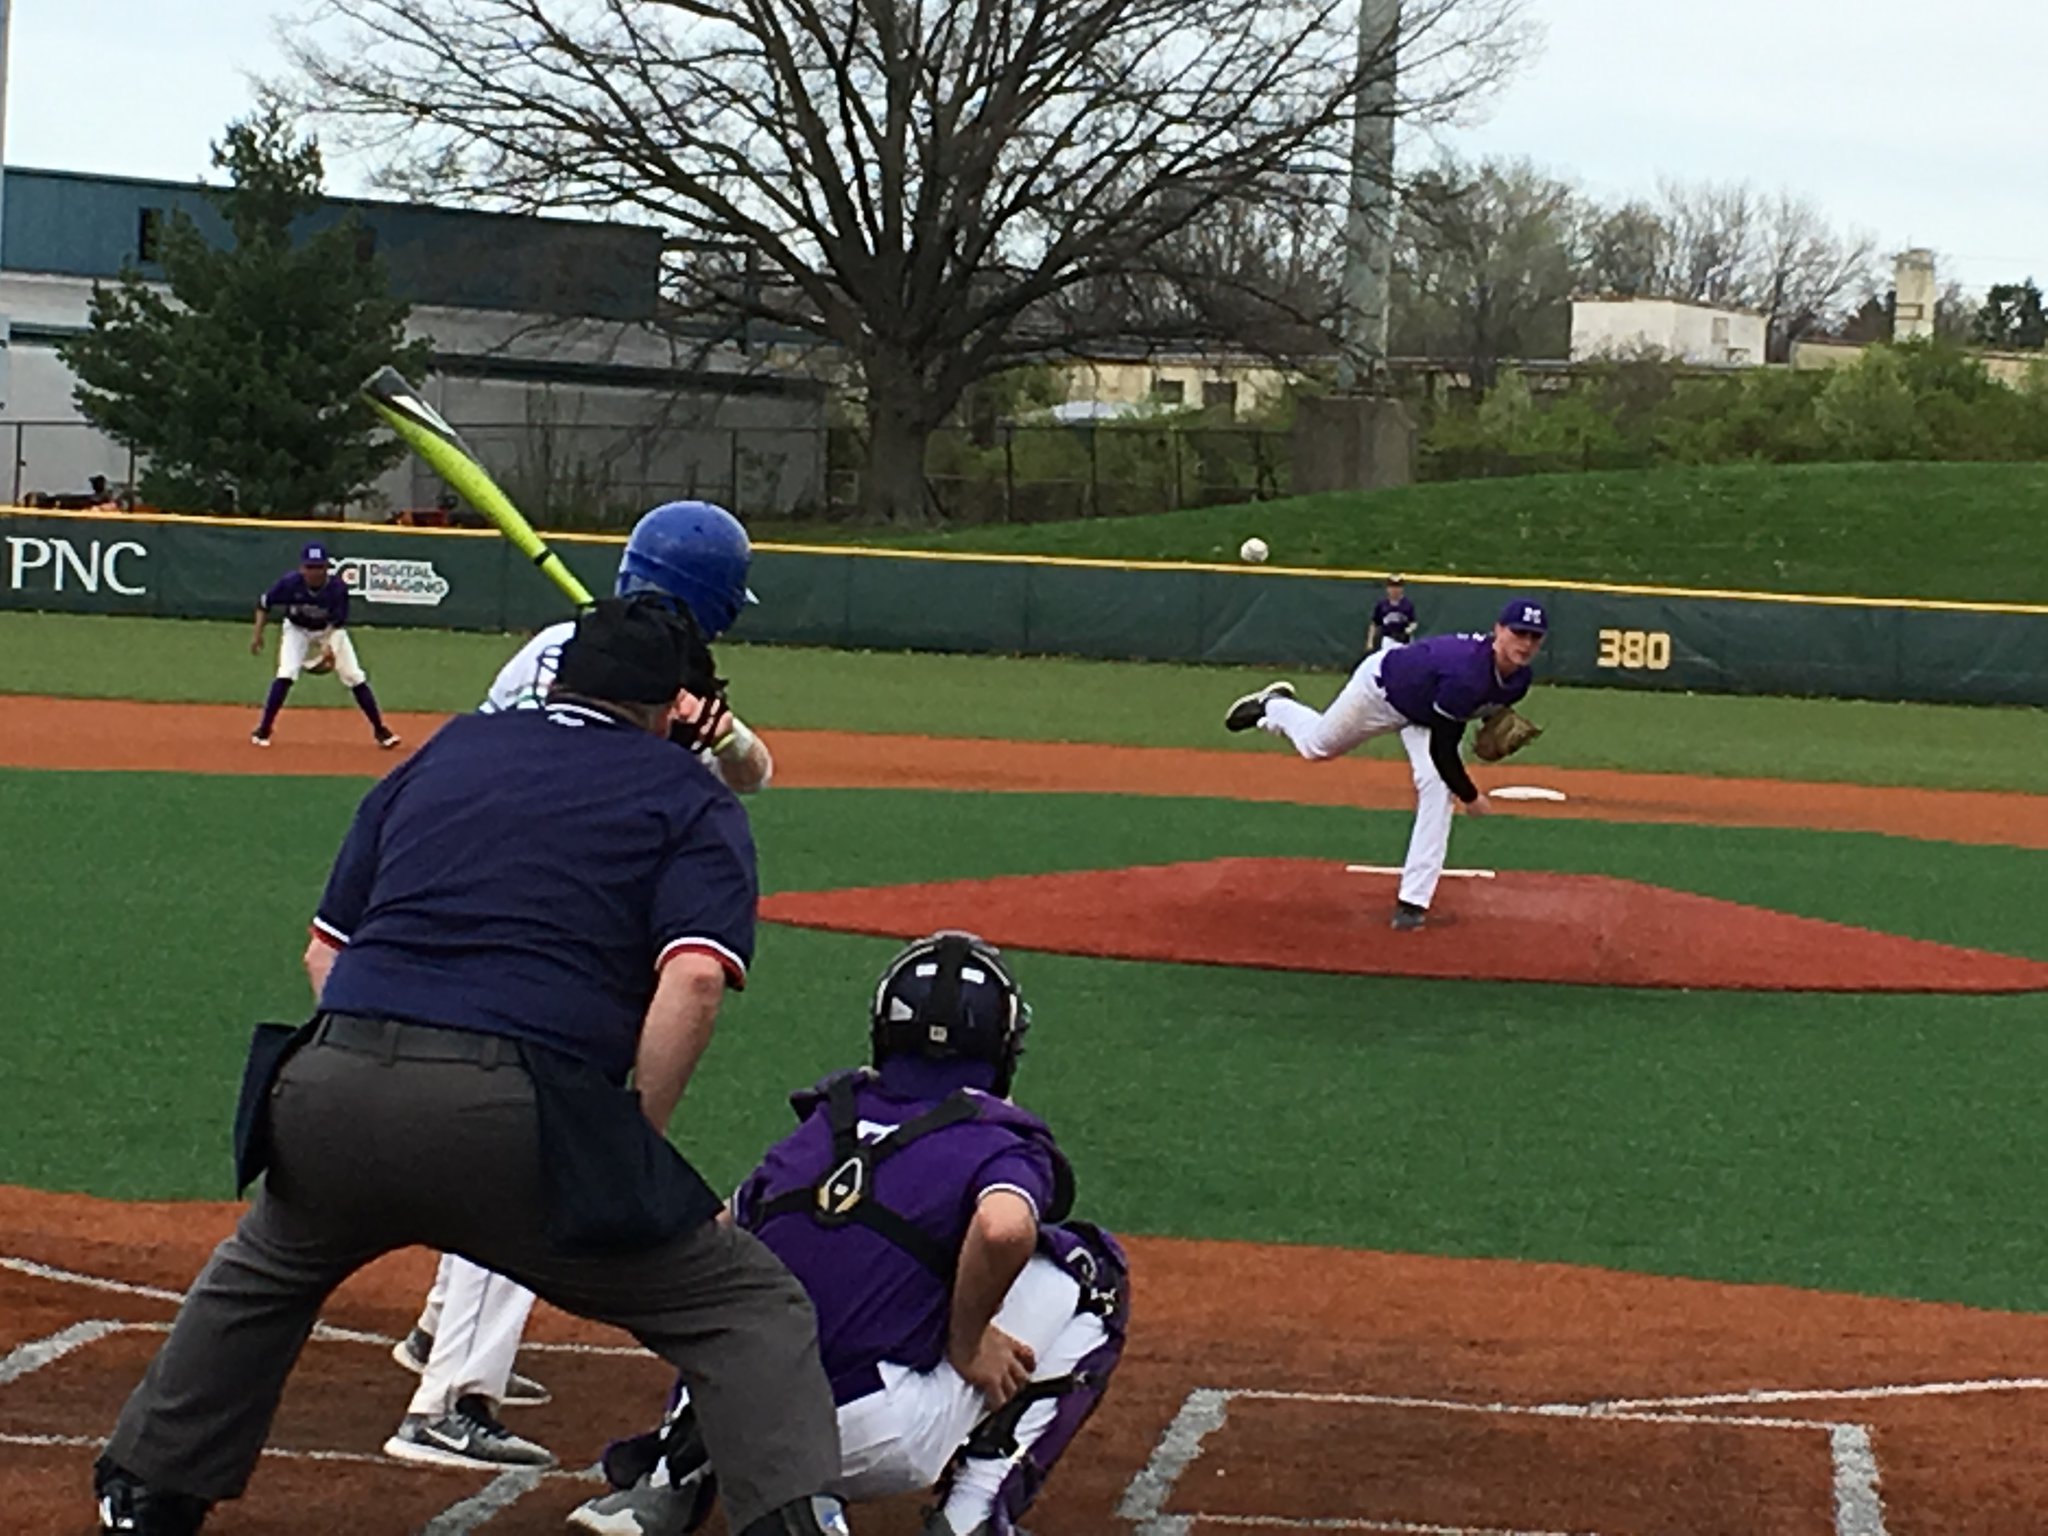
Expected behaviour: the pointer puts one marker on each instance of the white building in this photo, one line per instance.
(1677, 329)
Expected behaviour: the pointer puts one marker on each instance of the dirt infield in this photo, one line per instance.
(210, 738)
(1275, 1389)
(1313, 915)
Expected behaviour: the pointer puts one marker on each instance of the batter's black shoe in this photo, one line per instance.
(1408, 917)
(130, 1507)
(470, 1436)
(1251, 709)
(416, 1348)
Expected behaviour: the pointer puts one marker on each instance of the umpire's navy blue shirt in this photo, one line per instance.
(529, 873)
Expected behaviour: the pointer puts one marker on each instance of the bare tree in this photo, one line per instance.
(1485, 265)
(1804, 275)
(919, 180)
(1709, 247)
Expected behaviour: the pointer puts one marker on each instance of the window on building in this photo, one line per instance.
(149, 235)
(366, 246)
(1169, 391)
(1720, 330)
(1220, 397)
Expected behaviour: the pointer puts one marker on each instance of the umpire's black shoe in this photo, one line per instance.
(1251, 709)
(130, 1507)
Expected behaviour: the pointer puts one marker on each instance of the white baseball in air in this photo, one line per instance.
(1253, 551)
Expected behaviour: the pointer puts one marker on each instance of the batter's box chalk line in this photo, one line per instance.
(1858, 1503)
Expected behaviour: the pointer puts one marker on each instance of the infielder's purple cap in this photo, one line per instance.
(313, 554)
(1526, 614)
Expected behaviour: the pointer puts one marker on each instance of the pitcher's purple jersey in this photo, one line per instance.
(308, 606)
(1396, 620)
(874, 1301)
(1449, 677)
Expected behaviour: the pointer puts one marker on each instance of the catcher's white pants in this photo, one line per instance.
(296, 647)
(899, 1439)
(1360, 712)
(477, 1319)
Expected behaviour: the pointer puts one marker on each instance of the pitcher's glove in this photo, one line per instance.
(1503, 736)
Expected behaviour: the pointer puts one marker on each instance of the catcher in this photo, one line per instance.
(969, 1325)
(1429, 692)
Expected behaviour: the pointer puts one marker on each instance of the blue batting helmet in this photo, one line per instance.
(949, 997)
(695, 553)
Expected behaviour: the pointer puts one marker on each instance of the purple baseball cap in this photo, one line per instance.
(313, 554)
(1527, 615)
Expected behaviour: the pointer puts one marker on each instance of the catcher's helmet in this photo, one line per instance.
(694, 553)
(949, 997)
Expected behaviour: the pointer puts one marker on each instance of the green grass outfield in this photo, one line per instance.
(1874, 1144)
(1041, 699)
(1964, 532)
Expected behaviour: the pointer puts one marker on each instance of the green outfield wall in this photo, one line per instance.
(1729, 642)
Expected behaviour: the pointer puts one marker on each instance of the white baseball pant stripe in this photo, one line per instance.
(1360, 712)
(477, 1319)
(296, 647)
(900, 1439)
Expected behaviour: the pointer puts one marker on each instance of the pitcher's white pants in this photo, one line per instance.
(297, 646)
(1360, 712)
(477, 1319)
(900, 1439)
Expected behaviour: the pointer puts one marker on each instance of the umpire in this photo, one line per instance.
(536, 905)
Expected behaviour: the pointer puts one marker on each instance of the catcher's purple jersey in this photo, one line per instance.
(1449, 677)
(306, 605)
(875, 1302)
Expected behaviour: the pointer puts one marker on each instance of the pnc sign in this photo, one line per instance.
(56, 564)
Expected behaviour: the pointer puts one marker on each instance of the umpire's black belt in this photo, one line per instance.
(395, 1040)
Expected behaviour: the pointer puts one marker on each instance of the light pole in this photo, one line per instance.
(1369, 225)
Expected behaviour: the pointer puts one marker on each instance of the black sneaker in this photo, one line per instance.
(130, 1507)
(470, 1436)
(417, 1347)
(1408, 917)
(1251, 709)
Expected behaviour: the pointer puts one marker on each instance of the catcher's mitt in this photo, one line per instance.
(1503, 736)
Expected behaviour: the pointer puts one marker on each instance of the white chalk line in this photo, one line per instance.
(1855, 1479)
(289, 1453)
(37, 1353)
(326, 1332)
(494, 1498)
(1760, 1398)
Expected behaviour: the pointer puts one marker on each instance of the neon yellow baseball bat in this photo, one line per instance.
(441, 446)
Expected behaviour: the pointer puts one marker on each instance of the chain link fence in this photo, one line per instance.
(599, 477)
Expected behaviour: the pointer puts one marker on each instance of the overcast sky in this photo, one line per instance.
(1919, 123)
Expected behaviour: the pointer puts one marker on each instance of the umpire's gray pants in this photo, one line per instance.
(376, 1152)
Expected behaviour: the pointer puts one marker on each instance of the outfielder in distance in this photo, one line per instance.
(313, 637)
(1393, 618)
(1429, 692)
(466, 1341)
(968, 1325)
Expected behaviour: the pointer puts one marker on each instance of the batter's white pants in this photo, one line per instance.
(477, 1319)
(900, 1439)
(1360, 712)
(296, 647)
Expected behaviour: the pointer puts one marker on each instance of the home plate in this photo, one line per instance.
(1525, 792)
(1395, 869)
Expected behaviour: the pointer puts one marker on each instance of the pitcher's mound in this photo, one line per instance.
(1307, 915)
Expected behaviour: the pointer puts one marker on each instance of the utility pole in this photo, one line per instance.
(6, 361)
(1369, 226)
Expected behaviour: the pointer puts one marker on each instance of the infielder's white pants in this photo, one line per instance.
(900, 1439)
(477, 1319)
(296, 647)
(1360, 712)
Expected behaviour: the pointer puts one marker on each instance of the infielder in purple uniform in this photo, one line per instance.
(313, 636)
(1393, 618)
(1429, 692)
(969, 1327)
